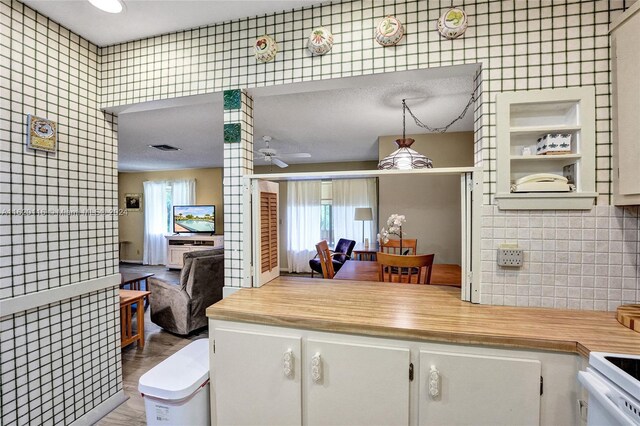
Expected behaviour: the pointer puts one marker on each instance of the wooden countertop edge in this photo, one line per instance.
(396, 311)
(567, 346)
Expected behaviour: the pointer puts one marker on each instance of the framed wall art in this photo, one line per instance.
(133, 202)
(42, 134)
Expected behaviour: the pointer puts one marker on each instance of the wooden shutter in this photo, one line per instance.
(268, 231)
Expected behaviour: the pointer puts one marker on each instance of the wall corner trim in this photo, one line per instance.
(102, 409)
(33, 300)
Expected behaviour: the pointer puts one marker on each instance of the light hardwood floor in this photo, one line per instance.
(159, 345)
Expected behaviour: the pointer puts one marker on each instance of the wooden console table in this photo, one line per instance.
(134, 280)
(128, 298)
(362, 252)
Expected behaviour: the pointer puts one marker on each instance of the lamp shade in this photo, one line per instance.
(363, 213)
(405, 158)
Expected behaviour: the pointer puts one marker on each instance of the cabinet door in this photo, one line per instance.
(250, 384)
(176, 255)
(356, 384)
(626, 104)
(478, 390)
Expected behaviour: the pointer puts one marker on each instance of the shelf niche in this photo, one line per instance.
(522, 118)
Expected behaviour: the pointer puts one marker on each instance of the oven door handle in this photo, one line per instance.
(601, 391)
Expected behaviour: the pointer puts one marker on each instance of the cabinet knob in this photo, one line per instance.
(434, 383)
(288, 364)
(316, 368)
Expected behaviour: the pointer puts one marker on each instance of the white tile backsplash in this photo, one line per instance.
(569, 264)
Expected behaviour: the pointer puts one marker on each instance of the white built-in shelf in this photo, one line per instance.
(547, 201)
(557, 157)
(522, 118)
(543, 129)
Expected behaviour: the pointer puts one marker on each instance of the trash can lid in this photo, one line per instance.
(180, 375)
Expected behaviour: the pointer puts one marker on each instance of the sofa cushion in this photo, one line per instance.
(188, 261)
(208, 272)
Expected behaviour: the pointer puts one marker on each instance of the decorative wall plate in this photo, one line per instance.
(42, 134)
(265, 48)
(320, 41)
(389, 31)
(453, 23)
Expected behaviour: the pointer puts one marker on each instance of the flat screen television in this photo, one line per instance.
(194, 219)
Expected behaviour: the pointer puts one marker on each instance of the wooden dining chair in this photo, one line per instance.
(324, 254)
(393, 246)
(405, 269)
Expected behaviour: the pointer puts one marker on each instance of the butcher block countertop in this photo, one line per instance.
(428, 313)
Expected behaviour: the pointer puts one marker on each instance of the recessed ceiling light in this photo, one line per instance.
(111, 6)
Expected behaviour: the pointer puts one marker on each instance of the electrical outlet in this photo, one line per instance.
(510, 255)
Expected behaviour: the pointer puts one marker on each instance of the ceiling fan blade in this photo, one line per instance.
(297, 155)
(279, 162)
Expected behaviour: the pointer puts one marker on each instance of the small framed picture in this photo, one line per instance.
(42, 134)
(133, 202)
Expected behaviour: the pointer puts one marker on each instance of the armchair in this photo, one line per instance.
(179, 306)
(340, 255)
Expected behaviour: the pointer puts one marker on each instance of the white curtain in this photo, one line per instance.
(303, 223)
(155, 223)
(347, 195)
(183, 193)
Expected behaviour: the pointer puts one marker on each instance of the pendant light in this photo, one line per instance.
(405, 158)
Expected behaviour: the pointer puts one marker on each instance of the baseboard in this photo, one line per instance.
(93, 416)
(137, 262)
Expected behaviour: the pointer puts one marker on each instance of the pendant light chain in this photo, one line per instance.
(437, 129)
(404, 114)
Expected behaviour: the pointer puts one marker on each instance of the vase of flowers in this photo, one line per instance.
(394, 227)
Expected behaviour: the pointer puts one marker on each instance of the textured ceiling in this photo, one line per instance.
(333, 120)
(147, 18)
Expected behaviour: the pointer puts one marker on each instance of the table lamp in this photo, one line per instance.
(363, 214)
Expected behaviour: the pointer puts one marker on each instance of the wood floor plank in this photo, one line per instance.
(159, 345)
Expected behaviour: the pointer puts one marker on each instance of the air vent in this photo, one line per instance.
(165, 147)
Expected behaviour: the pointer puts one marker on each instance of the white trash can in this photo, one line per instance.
(176, 391)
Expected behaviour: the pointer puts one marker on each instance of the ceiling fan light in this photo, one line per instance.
(110, 6)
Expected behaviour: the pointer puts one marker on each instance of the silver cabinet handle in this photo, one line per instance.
(316, 368)
(434, 383)
(288, 364)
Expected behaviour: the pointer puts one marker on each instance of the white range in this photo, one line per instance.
(613, 383)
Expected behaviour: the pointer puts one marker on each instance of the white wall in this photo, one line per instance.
(431, 205)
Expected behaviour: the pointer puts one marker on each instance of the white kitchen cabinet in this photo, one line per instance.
(625, 59)
(366, 380)
(478, 389)
(356, 385)
(524, 117)
(250, 384)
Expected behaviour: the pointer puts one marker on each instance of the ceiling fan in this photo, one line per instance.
(270, 155)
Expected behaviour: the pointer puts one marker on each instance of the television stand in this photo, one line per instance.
(179, 244)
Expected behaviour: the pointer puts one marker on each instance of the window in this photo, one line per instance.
(169, 208)
(326, 215)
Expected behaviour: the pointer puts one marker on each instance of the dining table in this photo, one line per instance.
(367, 270)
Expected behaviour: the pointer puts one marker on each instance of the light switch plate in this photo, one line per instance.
(510, 255)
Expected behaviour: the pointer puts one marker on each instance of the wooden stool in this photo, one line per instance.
(128, 298)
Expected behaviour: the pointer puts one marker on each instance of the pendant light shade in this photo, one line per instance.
(405, 158)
